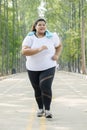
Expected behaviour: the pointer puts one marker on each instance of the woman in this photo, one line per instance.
(42, 49)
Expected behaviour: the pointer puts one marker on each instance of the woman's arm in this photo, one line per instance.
(57, 52)
(27, 51)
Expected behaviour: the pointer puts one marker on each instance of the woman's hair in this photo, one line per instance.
(36, 22)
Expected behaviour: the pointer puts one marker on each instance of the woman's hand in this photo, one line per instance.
(55, 57)
(57, 53)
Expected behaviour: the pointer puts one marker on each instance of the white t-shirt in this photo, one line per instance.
(42, 60)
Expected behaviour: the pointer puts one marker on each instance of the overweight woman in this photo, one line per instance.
(42, 50)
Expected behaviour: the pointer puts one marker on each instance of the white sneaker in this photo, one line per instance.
(40, 113)
(48, 114)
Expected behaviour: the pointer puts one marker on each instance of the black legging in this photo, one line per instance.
(42, 82)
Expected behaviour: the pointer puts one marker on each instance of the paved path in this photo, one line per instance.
(69, 106)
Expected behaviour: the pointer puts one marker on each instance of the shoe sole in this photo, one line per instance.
(49, 116)
(39, 115)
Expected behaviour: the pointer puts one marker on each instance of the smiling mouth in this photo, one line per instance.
(42, 29)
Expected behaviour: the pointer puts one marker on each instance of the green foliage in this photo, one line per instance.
(63, 16)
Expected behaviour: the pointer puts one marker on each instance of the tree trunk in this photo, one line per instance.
(83, 61)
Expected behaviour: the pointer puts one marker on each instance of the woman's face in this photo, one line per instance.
(41, 27)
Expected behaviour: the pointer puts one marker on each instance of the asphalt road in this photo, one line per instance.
(69, 104)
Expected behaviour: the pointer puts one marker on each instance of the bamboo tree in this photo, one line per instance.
(0, 36)
(83, 39)
(3, 41)
(7, 40)
(13, 35)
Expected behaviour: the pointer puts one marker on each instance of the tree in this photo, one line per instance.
(83, 60)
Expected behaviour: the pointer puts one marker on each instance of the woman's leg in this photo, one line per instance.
(46, 79)
(34, 79)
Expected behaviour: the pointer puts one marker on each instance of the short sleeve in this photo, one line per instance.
(56, 40)
(27, 41)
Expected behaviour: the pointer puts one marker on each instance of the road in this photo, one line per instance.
(69, 104)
